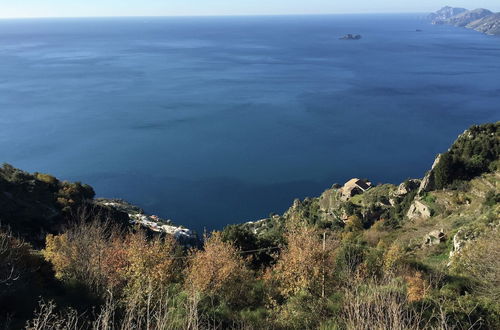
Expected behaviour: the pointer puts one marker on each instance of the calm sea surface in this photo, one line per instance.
(210, 121)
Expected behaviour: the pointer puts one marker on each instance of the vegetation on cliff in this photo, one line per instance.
(32, 205)
(475, 152)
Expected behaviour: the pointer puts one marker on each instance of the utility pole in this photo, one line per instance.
(324, 249)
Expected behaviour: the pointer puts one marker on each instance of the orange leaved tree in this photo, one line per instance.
(306, 263)
(218, 270)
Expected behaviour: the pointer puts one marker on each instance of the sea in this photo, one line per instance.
(210, 121)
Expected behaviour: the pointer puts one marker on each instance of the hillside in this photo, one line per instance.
(488, 25)
(473, 154)
(482, 20)
(34, 205)
(419, 255)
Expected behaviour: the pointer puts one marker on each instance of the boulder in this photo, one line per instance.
(407, 187)
(435, 237)
(418, 210)
(460, 239)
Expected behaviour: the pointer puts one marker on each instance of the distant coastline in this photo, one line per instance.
(481, 20)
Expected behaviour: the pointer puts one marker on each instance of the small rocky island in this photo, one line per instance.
(481, 20)
(351, 37)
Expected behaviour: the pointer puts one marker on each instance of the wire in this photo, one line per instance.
(258, 250)
(278, 248)
(239, 252)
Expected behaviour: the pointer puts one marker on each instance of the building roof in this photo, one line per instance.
(363, 184)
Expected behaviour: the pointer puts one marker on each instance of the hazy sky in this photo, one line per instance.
(64, 8)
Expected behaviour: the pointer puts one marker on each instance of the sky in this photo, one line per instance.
(93, 8)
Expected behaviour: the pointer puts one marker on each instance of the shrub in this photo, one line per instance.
(218, 271)
(480, 260)
(306, 263)
(49, 179)
(373, 305)
(492, 198)
(394, 258)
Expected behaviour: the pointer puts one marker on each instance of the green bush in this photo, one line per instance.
(492, 198)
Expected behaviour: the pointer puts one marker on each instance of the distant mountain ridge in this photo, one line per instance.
(481, 20)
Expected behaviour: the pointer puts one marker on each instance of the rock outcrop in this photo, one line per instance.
(351, 37)
(404, 188)
(435, 237)
(418, 210)
(427, 183)
(459, 241)
(407, 187)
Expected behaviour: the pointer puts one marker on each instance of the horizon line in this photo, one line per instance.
(212, 15)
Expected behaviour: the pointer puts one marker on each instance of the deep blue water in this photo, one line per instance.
(210, 121)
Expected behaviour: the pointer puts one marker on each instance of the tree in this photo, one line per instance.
(146, 263)
(394, 259)
(443, 172)
(218, 271)
(262, 247)
(306, 264)
(104, 259)
(77, 255)
(14, 259)
(353, 224)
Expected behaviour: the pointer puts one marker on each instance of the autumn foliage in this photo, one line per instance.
(102, 258)
(306, 263)
(218, 269)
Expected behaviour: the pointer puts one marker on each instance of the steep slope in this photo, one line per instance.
(35, 204)
(423, 254)
(473, 153)
(489, 25)
(459, 195)
(469, 16)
